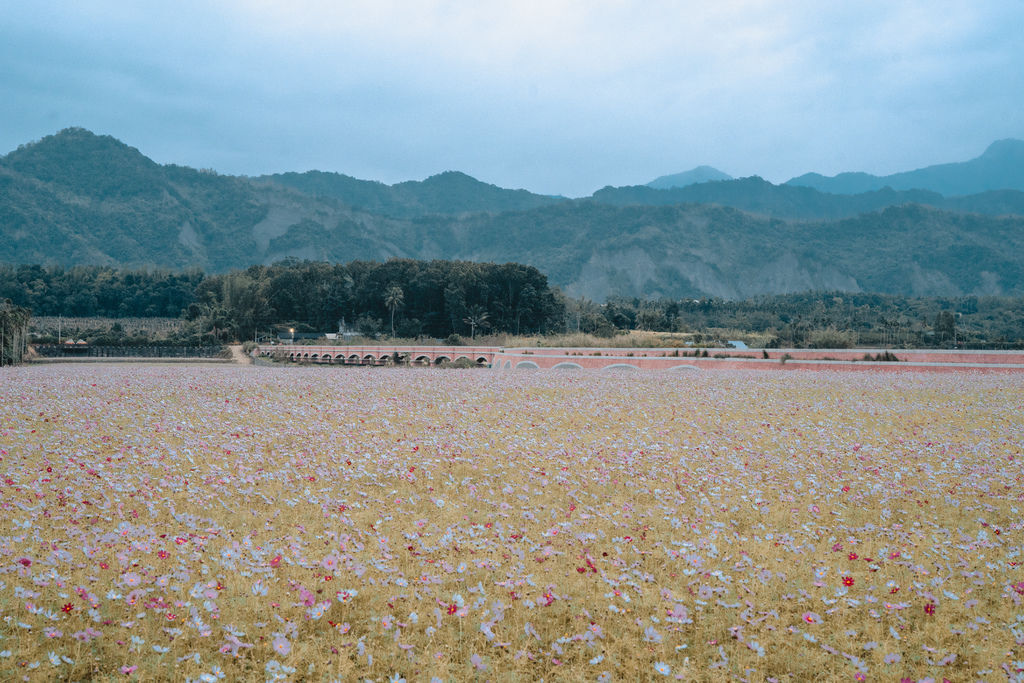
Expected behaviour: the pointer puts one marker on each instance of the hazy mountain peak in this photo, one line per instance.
(85, 163)
(700, 174)
(1007, 147)
(1000, 167)
(453, 178)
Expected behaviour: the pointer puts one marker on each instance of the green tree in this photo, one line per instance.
(13, 332)
(393, 299)
(477, 318)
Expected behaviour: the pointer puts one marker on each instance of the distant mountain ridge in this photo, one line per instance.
(795, 202)
(451, 192)
(80, 198)
(1000, 167)
(701, 174)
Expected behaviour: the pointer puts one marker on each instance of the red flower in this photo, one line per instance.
(453, 608)
(276, 560)
(929, 609)
(847, 580)
(162, 554)
(853, 556)
(67, 608)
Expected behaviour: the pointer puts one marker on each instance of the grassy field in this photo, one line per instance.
(176, 523)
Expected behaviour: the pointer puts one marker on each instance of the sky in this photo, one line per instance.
(554, 96)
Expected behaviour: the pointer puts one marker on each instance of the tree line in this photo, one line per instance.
(437, 299)
(817, 319)
(401, 297)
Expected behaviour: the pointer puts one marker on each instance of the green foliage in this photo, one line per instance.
(820, 319)
(14, 323)
(885, 357)
(831, 338)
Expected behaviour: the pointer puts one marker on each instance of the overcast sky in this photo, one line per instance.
(553, 96)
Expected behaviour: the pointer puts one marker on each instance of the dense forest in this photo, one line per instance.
(439, 299)
(401, 297)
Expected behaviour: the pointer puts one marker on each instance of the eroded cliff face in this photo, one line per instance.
(636, 272)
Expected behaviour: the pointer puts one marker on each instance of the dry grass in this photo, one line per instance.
(289, 523)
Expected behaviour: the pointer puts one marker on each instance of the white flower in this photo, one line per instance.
(662, 668)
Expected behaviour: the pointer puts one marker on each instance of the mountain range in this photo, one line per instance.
(79, 198)
(1000, 167)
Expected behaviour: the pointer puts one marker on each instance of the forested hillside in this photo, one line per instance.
(76, 198)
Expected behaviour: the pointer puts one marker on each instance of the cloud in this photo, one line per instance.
(554, 96)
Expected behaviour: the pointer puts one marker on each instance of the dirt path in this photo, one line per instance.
(239, 356)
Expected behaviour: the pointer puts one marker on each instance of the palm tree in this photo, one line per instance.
(476, 318)
(394, 298)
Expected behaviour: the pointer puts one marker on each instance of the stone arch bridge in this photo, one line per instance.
(382, 355)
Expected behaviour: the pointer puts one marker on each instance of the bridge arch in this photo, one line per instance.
(567, 365)
(621, 367)
(481, 360)
(442, 360)
(527, 365)
(421, 360)
(508, 365)
(685, 368)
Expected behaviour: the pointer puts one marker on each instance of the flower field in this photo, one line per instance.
(245, 523)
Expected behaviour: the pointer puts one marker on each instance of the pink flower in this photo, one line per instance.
(129, 670)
